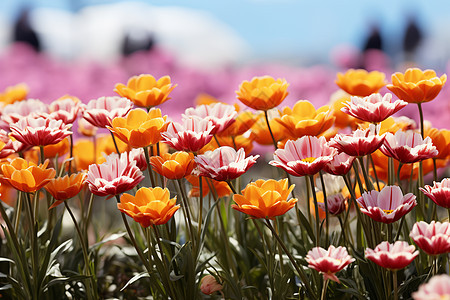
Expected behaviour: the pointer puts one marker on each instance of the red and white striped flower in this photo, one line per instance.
(394, 256)
(190, 136)
(100, 112)
(439, 192)
(360, 143)
(433, 238)
(14, 112)
(329, 262)
(220, 114)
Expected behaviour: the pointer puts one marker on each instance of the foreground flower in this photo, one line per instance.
(173, 166)
(305, 156)
(100, 112)
(439, 192)
(260, 132)
(58, 149)
(27, 176)
(408, 147)
(262, 93)
(65, 108)
(14, 112)
(139, 128)
(149, 207)
(63, 188)
(441, 140)
(113, 177)
(11, 146)
(221, 115)
(360, 143)
(438, 288)
(374, 108)
(360, 82)
(265, 199)
(224, 163)
(190, 136)
(340, 164)
(39, 131)
(329, 262)
(145, 91)
(335, 203)
(394, 256)
(209, 285)
(388, 205)
(433, 238)
(416, 86)
(303, 119)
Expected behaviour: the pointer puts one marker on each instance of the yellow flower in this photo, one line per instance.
(139, 128)
(265, 199)
(27, 176)
(416, 86)
(14, 93)
(303, 119)
(145, 91)
(262, 93)
(360, 82)
(150, 206)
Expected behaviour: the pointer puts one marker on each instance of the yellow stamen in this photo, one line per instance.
(388, 211)
(309, 159)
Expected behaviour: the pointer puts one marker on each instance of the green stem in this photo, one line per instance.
(149, 166)
(325, 200)
(217, 140)
(300, 272)
(419, 105)
(266, 115)
(324, 289)
(18, 212)
(187, 212)
(200, 210)
(400, 165)
(316, 207)
(115, 143)
(71, 152)
(369, 184)
(369, 156)
(394, 275)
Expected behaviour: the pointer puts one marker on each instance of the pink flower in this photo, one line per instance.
(328, 262)
(224, 163)
(388, 205)
(408, 147)
(394, 256)
(438, 288)
(433, 238)
(209, 285)
(100, 112)
(373, 108)
(190, 136)
(113, 177)
(439, 192)
(66, 109)
(220, 114)
(11, 146)
(340, 164)
(39, 131)
(14, 112)
(305, 156)
(360, 143)
(335, 203)
(137, 155)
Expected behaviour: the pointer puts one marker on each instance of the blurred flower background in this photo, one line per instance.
(84, 47)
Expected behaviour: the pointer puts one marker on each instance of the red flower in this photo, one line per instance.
(14, 112)
(65, 108)
(408, 147)
(335, 203)
(190, 136)
(113, 177)
(438, 288)
(224, 163)
(388, 205)
(439, 192)
(360, 143)
(373, 108)
(340, 164)
(394, 256)
(433, 238)
(221, 115)
(329, 262)
(39, 131)
(100, 112)
(305, 156)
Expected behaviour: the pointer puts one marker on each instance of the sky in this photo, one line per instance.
(286, 28)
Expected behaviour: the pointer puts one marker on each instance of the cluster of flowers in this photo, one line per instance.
(212, 145)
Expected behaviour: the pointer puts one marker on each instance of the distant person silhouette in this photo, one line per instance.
(412, 39)
(24, 32)
(374, 40)
(137, 40)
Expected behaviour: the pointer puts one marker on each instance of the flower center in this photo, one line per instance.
(388, 211)
(309, 159)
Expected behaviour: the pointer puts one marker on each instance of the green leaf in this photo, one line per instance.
(4, 259)
(134, 279)
(307, 226)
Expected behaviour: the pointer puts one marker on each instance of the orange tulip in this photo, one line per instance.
(360, 82)
(441, 139)
(221, 188)
(8, 194)
(205, 99)
(260, 132)
(14, 93)
(173, 166)
(27, 176)
(150, 206)
(243, 122)
(63, 188)
(342, 120)
(59, 149)
(416, 86)
(262, 93)
(139, 128)
(265, 199)
(236, 142)
(303, 119)
(145, 91)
